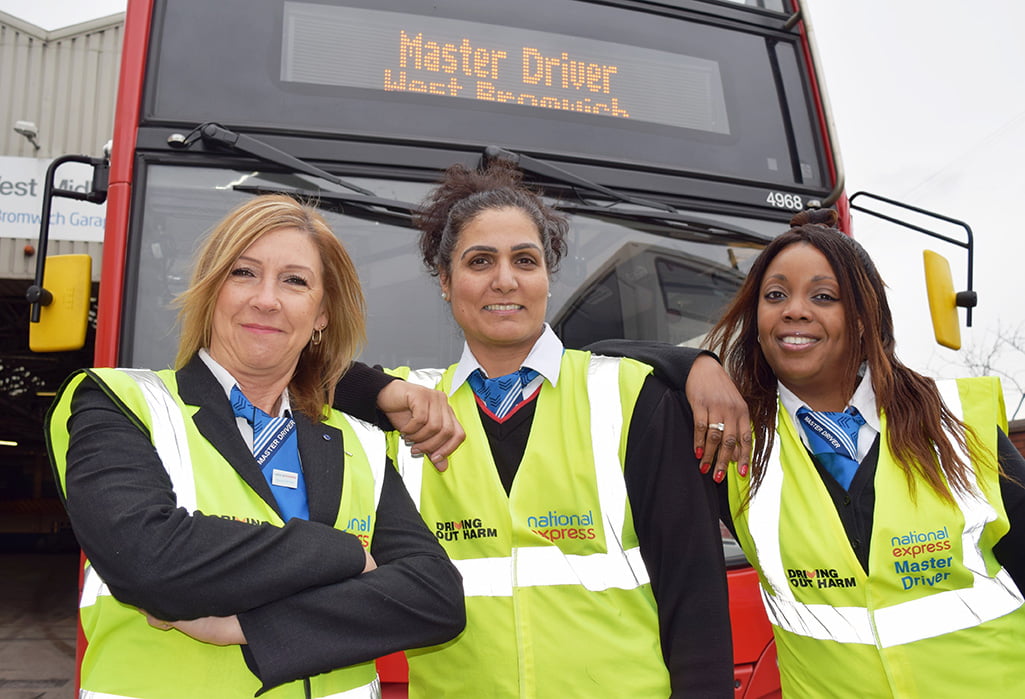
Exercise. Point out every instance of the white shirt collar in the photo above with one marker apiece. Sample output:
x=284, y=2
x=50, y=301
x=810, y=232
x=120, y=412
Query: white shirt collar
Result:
x=864, y=399
x=545, y=358
x=228, y=382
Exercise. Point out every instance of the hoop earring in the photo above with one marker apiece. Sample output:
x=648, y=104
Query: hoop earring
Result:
x=318, y=336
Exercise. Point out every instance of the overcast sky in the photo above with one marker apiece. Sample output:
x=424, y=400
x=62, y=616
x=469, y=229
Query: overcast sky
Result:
x=929, y=108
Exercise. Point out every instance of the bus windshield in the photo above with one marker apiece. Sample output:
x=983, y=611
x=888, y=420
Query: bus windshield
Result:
x=621, y=278
x=677, y=136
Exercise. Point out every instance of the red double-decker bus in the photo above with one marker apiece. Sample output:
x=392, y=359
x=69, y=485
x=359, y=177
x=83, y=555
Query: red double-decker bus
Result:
x=679, y=136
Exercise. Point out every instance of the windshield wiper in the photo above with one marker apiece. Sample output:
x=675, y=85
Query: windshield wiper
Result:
x=371, y=208
x=672, y=224
x=216, y=135
x=665, y=220
x=539, y=167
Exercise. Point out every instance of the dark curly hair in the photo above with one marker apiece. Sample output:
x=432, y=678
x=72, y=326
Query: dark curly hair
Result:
x=463, y=194
x=917, y=420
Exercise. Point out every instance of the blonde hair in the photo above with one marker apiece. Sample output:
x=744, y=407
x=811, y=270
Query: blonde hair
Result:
x=320, y=366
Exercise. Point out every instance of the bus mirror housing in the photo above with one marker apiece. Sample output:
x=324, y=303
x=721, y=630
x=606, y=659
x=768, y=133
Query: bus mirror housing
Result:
x=943, y=300
x=59, y=295
x=939, y=285
x=64, y=320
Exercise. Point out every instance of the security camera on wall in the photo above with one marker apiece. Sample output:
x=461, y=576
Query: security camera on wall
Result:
x=29, y=130
x=26, y=128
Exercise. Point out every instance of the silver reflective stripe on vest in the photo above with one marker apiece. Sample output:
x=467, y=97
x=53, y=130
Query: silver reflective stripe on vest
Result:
x=619, y=568
x=538, y=566
x=376, y=450
x=93, y=586
x=367, y=691
x=411, y=467
x=926, y=617
x=534, y=566
x=170, y=440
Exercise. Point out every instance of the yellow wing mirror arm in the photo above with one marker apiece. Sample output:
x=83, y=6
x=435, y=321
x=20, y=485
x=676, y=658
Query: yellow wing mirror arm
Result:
x=59, y=295
x=943, y=300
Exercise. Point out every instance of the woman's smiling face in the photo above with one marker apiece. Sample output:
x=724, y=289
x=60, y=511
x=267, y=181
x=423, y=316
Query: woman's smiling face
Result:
x=802, y=327
x=498, y=282
x=268, y=306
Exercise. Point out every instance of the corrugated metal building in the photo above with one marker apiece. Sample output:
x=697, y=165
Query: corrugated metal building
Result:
x=65, y=82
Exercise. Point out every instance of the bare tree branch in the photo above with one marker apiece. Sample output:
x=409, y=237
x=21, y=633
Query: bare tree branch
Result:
x=1000, y=354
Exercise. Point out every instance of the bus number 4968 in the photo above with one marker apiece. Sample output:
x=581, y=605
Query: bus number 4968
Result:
x=784, y=201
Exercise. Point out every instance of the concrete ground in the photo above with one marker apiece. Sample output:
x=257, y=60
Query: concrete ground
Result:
x=38, y=608
x=38, y=623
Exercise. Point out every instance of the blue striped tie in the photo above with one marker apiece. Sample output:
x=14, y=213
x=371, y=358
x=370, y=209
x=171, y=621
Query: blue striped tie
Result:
x=833, y=438
x=501, y=394
x=276, y=450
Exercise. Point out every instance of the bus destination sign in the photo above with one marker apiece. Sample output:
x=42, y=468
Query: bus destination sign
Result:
x=448, y=58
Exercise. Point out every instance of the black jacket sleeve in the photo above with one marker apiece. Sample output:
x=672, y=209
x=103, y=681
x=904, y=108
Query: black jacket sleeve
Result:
x=414, y=598
x=672, y=363
x=356, y=394
x=299, y=590
x=161, y=558
x=1010, y=550
x=675, y=511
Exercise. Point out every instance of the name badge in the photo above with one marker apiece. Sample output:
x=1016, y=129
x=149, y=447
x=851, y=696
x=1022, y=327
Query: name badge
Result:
x=286, y=479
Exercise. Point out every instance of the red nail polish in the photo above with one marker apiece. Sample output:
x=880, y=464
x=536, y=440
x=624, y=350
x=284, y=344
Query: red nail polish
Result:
x=719, y=475
x=699, y=452
x=742, y=470
x=705, y=467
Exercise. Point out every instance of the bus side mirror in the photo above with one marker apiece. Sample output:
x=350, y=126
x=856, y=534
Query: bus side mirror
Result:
x=64, y=320
x=944, y=301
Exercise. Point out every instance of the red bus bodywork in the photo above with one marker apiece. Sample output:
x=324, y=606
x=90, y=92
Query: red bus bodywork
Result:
x=755, y=668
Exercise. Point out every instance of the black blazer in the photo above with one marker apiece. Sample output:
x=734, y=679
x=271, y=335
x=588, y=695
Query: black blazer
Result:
x=298, y=590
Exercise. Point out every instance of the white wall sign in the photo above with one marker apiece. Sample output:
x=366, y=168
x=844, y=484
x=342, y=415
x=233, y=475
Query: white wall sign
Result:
x=21, y=201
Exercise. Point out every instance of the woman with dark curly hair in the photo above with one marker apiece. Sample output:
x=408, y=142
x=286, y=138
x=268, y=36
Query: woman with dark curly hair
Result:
x=588, y=542
x=884, y=511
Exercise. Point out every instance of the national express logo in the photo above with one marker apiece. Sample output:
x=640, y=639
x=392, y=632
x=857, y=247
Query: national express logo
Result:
x=916, y=562
x=462, y=529
x=555, y=526
x=361, y=527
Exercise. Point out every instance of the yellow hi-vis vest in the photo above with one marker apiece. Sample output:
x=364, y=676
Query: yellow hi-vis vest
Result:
x=128, y=659
x=558, y=600
x=934, y=616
